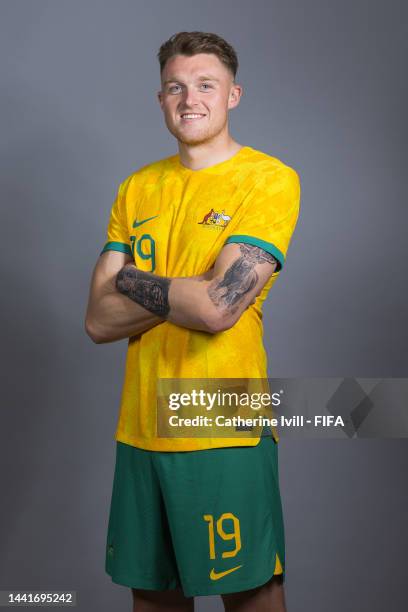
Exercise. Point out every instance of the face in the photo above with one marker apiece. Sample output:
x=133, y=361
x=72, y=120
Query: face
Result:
x=197, y=93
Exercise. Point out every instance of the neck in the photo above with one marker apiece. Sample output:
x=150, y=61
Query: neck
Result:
x=207, y=154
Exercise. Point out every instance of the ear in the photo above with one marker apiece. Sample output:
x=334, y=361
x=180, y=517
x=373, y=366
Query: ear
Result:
x=160, y=98
x=235, y=96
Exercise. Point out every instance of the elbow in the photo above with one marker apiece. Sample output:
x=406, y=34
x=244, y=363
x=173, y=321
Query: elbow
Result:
x=92, y=331
x=217, y=321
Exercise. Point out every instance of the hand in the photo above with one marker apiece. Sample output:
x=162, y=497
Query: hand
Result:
x=206, y=275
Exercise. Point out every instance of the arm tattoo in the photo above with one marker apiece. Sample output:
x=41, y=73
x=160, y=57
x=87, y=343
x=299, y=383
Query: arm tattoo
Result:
x=148, y=290
x=240, y=277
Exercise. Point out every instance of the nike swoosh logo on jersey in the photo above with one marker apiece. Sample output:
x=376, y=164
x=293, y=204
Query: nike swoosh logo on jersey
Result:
x=137, y=223
x=217, y=575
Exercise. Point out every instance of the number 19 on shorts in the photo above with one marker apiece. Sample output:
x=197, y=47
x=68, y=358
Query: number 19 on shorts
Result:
x=223, y=528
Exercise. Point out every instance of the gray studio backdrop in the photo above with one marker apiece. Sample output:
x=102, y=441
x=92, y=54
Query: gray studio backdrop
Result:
x=325, y=91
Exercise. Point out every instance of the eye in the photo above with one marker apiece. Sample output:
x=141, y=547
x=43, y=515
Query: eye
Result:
x=172, y=88
x=207, y=85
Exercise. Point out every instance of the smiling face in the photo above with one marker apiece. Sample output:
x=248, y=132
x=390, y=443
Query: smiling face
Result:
x=196, y=95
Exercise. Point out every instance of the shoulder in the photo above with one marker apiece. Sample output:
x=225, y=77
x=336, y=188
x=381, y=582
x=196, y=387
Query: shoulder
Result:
x=271, y=173
x=149, y=173
x=262, y=162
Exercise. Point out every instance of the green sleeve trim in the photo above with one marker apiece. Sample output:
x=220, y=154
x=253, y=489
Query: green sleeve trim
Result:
x=117, y=246
x=266, y=246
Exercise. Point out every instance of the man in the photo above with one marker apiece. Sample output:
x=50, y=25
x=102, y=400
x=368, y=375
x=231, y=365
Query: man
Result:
x=194, y=243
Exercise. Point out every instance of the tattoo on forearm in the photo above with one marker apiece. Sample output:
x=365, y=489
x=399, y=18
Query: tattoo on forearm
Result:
x=239, y=279
x=148, y=290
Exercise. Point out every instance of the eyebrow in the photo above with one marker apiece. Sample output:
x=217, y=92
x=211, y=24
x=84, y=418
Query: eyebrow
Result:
x=200, y=78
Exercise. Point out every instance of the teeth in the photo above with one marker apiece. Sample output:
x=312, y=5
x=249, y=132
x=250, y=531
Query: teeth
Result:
x=191, y=116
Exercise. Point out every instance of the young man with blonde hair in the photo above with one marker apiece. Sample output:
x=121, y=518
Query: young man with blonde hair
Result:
x=194, y=243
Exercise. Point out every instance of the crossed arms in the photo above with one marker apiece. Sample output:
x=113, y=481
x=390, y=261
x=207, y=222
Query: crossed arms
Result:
x=125, y=301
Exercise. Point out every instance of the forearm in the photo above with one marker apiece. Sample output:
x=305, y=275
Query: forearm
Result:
x=114, y=317
x=183, y=301
x=211, y=302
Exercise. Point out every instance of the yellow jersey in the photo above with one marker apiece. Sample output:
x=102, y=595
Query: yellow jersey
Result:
x=174, y=221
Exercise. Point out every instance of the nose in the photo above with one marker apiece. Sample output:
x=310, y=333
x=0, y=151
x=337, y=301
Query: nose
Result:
x=190, y=98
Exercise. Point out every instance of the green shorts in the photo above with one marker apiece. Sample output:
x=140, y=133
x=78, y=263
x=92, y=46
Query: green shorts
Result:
x=209, y=521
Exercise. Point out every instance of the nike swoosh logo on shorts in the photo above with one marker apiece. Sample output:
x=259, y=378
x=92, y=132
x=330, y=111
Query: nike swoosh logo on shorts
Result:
x=137, y=223
x=217, y=575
